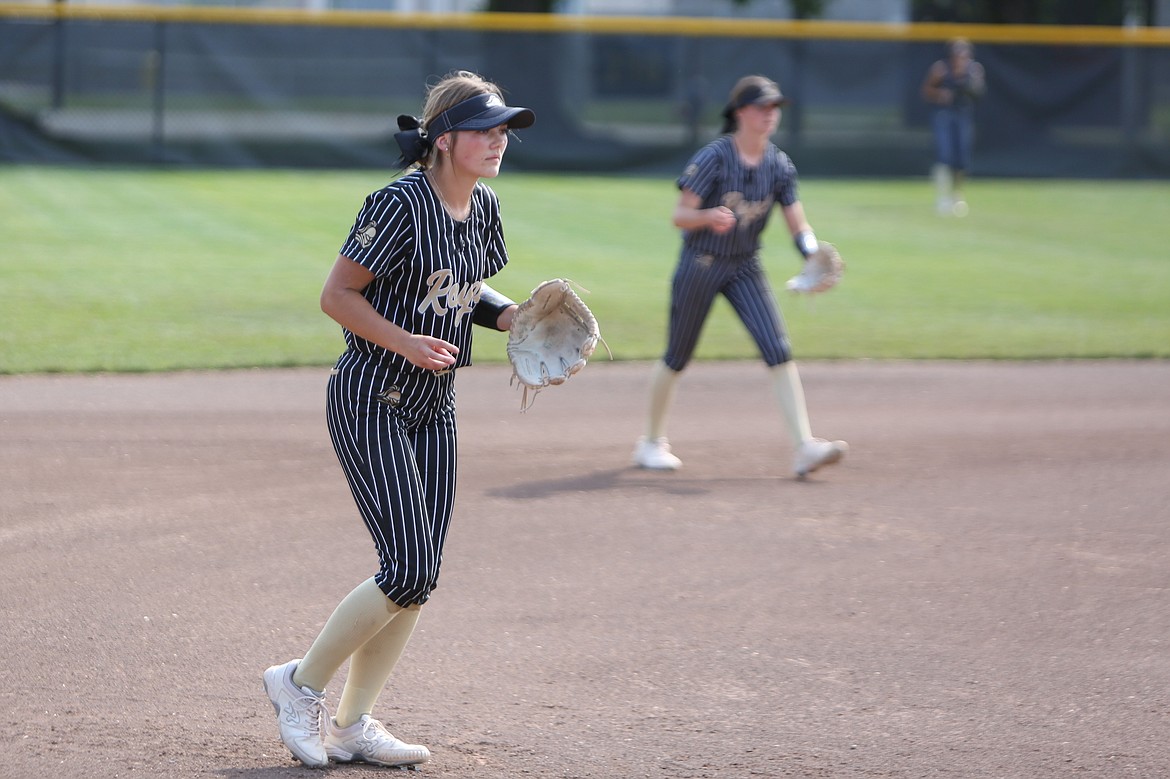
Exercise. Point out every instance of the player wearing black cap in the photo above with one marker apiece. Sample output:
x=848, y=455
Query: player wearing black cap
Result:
x=727, y=193
x=406, y=288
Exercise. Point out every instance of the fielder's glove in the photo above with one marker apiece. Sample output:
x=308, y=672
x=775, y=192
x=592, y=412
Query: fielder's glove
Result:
x=823, y=269
x=553, y=335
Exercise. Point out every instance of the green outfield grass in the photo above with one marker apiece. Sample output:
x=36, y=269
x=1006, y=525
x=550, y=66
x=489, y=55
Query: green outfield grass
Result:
x=142, y=270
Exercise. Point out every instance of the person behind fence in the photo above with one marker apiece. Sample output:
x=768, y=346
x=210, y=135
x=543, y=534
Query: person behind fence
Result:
x=727, y=193
x=953, y=85
x=406, y=288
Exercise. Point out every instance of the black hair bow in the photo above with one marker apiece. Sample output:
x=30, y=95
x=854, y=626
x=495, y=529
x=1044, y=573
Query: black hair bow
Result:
x=412, y=139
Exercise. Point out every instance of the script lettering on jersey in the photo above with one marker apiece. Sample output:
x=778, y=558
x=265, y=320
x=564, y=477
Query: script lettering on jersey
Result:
x=747, y=212
x=445, y=294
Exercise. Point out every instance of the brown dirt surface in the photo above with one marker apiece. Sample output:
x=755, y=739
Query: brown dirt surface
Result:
x=978, y=590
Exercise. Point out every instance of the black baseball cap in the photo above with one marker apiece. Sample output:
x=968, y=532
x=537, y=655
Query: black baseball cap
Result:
x=754, y=90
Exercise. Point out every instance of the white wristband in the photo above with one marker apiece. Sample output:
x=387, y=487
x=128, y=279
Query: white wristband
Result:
x=806, y=242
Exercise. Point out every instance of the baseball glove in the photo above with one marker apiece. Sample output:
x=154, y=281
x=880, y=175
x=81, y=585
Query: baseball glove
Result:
x=553, y=335
x=822, y=271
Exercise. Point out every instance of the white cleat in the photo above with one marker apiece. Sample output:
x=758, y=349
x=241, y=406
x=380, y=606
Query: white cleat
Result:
x=300, y=713
x=816, y=453
x=655, y=455
x=368, y=741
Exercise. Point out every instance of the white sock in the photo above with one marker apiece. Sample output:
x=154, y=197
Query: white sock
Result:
x=943, y=184
x=662, y=385
x=371, y=665
x=360, y=616
x=790, y=394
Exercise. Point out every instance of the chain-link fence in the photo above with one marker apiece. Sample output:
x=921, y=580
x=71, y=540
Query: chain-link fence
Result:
x=229, y=87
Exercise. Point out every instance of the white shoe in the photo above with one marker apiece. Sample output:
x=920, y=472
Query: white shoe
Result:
x=300, y=713
x=817, y=452
x=655, y=454
x=368, y=741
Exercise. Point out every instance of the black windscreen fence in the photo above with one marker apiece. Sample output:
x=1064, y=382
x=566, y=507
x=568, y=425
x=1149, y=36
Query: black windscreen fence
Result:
x=191, y=92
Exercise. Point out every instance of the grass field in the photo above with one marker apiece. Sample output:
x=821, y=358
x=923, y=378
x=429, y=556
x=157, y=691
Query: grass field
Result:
x=145, y=270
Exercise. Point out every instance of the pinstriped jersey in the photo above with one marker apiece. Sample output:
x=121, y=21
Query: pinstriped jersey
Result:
x=428, y=268
x=960, y=86
x=718, y=176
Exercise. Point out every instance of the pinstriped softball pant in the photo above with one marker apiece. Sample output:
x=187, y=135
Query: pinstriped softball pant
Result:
x=395, y=435
x=697, y=280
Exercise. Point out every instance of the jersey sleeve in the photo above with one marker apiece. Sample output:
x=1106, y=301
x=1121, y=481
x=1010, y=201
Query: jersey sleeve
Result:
x=380, y=238
x=701, y=175
x=495, y=249
x=786, y=180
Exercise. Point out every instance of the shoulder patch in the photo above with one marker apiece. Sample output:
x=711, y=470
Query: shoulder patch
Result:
x=366, y=235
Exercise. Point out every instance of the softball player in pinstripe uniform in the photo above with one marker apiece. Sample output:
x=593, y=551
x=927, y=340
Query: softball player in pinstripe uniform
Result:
x=406, y=288
x=727, y=192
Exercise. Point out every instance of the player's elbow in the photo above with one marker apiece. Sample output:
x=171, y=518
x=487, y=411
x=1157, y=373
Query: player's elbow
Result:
x=331, y=300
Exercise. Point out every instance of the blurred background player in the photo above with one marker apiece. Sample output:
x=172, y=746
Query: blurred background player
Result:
x=727, y=193
x=952, y=85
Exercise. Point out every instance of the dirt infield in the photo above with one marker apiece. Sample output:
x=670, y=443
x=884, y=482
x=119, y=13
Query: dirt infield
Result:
x=979, y=590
